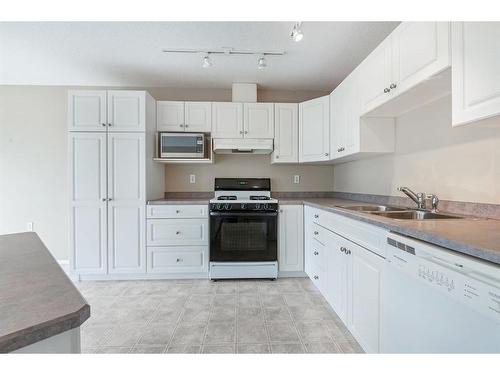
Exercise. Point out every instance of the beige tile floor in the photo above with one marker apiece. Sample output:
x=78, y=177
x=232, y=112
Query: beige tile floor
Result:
x=200, y=316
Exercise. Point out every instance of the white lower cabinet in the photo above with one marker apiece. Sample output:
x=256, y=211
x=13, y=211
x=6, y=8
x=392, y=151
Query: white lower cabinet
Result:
x=290, y=240
x=177, y=240
x=347, y=274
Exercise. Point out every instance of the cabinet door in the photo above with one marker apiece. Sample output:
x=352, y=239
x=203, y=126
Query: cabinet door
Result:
x=227, y=120
x=87, y=110
x=421, y=50
x=364, y=322
x=170, y=116
x=126, y=110
x=126, y=205
x=198, y=117
x=258, y=120
x=291, y=229
x=338, y=118
x=338, y=275
x=475, y=71
x=376, y=77
x=87, y=180
x=314, y=129
x=286, y=133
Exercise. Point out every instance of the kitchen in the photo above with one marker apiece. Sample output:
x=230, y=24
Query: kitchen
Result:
x=255, y=218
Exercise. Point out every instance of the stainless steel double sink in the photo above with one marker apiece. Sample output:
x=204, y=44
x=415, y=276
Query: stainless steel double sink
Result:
x=400, y=213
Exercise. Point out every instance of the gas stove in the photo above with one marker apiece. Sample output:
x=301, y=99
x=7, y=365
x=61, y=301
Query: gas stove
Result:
x=243, y=229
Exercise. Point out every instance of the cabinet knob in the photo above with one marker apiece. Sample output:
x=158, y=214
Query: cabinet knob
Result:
x=104, y=199
x=392, y=86
x=178, y=260
x=110, y=199
x=316, y=232
x=348, y=252
x=343, y=249
x=316, y=277
x=316, y=253
x=178, y=232
x=281, y=211
x=316, y=216
x=103, y=124
x=177, y=211
x=386, y=90
x=326, y=153
x=241, y=131
x=246, y=132
x=110, y=124
x=277, y=156
x=186, y=125
x=181, y=125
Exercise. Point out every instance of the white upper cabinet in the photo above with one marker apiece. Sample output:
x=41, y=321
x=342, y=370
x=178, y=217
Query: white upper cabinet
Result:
x=291, y=238
x=198, y=117
x=227, y=120
x=170, y=116
x=475, y=71
x=412, y=53
x=376, y=77
x=126, y=111
x=314, y=130
x=87, y=110
x=286, y=133
x=420, y=50
x=258, y=120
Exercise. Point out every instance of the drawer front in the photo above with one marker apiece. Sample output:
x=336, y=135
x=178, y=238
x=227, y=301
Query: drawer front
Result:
x=177, y=259
x=317, y=276
x=317, y=233
x=181, y=232
x=168, y=211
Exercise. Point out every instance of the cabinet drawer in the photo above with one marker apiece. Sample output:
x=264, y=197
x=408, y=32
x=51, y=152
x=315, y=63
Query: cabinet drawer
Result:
x=182, y=232
x=168, y=211
x=317, y=233
x=317, y=276
x=177, y=259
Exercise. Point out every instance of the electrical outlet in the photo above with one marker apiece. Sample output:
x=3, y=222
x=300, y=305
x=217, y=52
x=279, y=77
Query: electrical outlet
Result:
x=296, y=179
x=192, y=178
x=29, y=226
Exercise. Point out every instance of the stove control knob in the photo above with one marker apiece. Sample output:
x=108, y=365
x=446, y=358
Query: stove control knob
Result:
x=227, y=206
x=243, y=206
x=265, y=206
x=257, y=206
x=219, y=206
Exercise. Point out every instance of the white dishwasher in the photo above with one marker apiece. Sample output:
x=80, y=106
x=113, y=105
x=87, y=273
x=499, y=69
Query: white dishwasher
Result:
x=437, y=301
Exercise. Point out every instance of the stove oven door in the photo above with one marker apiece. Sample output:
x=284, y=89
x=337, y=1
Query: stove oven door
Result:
x=243, y=236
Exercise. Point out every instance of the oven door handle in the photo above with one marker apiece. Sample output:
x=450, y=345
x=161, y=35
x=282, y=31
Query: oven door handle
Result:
x=253, y=214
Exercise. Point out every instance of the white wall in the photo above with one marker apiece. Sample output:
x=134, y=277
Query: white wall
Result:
x=461, y=163
x=33, y=155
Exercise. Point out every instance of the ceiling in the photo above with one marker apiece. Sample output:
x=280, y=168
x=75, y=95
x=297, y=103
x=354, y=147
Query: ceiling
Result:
x=129, y=53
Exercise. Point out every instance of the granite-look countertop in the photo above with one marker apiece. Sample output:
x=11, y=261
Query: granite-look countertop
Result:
x=37, y=299
x=476, y=237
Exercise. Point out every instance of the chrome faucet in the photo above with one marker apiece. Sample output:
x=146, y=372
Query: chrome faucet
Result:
x=418, y=198
x=434, y=201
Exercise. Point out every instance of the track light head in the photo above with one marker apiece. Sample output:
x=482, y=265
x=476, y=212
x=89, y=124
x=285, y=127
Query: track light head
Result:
x=296, y=34
x=262, y=63
x=207, y=63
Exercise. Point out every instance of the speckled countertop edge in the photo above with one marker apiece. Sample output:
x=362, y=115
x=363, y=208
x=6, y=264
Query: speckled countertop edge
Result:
x=65, y=308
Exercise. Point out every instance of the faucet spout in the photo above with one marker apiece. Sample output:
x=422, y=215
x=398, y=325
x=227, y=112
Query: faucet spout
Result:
x=418, y=198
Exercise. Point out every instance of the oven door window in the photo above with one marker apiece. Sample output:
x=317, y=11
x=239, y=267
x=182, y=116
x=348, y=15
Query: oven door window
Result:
x=239, y=238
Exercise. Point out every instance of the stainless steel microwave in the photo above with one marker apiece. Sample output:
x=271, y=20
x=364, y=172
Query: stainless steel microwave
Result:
x=182, y=145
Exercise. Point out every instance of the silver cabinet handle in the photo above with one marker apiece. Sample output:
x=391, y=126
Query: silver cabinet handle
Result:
x=348, y=252
x=343, y=249
x=186, y=125
x=386, y=90
x=340, y=149
x=178, y=260
x=246, y=132
x=110, y=199
x=316, y=216
x=326, y=153
x=316, y=232
x=110, y=124
x=178, y=232
x=103, y=124
x=104, y=199
x=316, y=253
x=181, y=125
x=177, y=211
x=241, y=131
x=392, y=86
x=316, y=277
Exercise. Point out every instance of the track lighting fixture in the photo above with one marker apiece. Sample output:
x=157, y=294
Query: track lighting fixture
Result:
x=228, y=51
x=296, y=34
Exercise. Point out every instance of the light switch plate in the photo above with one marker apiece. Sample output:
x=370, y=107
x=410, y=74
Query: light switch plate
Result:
x=192, y=178
x=296, y=179
x=29, y=226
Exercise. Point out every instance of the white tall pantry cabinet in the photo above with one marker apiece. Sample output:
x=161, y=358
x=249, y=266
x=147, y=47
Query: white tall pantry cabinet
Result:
x=111, y=175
